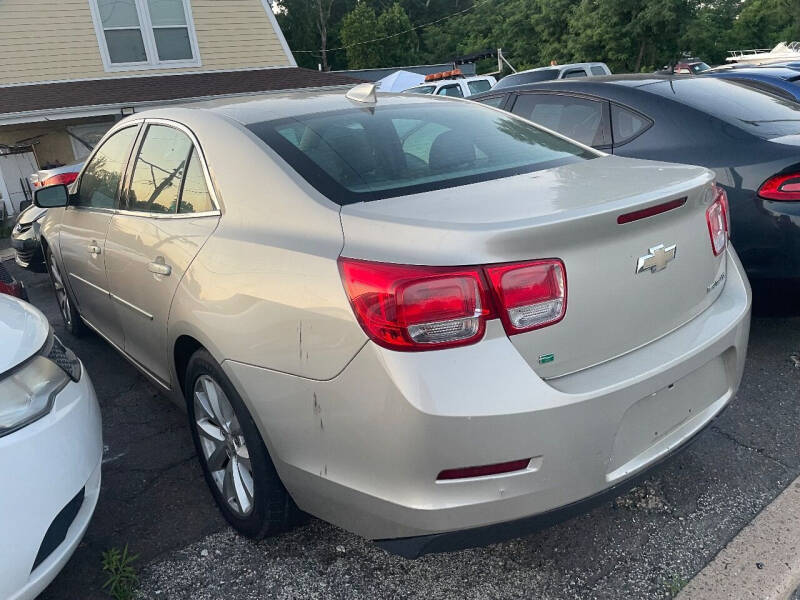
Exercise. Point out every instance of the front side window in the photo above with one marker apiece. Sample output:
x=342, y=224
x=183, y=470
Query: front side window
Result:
x=100, y=179
x=353, y=155
x=145, y=33
x=451, y=90
x=577, y=118
x=496, y=101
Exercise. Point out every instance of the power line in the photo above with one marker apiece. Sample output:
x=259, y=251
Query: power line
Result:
x=394, y=35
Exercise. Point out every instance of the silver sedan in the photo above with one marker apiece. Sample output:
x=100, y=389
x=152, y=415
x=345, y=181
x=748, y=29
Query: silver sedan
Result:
x=424, y=320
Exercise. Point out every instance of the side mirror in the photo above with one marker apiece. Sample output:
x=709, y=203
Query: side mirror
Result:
x=52, y=196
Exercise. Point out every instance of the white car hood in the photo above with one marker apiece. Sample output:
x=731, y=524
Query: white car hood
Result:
x=23, y=331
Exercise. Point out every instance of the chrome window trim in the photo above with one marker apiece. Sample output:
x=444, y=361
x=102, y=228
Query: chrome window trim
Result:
x=212, y=191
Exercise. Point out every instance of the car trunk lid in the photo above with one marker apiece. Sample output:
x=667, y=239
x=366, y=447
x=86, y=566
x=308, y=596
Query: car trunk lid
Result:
x=570, y=213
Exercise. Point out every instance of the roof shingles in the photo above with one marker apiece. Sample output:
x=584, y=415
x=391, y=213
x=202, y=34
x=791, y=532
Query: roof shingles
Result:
x=123, y=90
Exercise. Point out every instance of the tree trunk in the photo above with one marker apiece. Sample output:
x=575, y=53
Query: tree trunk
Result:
x=322, y=27
x=638, y=66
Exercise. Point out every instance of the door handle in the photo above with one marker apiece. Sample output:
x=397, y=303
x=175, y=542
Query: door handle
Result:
x=159, y=268
x=94, y=249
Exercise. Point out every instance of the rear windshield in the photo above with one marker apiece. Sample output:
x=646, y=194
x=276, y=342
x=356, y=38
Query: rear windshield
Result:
x=362, y=154
x=761, y=114
x=532, y=77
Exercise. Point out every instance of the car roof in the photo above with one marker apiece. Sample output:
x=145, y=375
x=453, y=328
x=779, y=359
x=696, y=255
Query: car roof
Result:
x=560, y=67
x=779, y=72
x=633, y=80
x=264, y=107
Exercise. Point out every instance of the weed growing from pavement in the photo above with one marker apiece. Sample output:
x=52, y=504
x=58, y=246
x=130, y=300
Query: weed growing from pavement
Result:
x=122, y=579
x=675, y=584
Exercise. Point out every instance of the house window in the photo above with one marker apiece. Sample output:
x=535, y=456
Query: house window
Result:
x=142, y=34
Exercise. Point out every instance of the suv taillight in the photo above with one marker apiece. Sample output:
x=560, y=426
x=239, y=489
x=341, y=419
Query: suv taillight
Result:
x=783, y=188
x=718, y=220
x=412, y=308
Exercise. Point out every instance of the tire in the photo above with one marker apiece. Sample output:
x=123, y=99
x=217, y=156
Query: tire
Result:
x=66, y=303
x=253, y=501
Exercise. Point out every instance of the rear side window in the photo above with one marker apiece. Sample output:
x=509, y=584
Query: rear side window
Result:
x=577, y=118
x=354, y=155
x=573, y=74
x=451, y=90
x=194, y=195
x=479, y=86
x=765, y=87
x=626, y=124
x=100, y=180
x=159, y=170
x=596, y=70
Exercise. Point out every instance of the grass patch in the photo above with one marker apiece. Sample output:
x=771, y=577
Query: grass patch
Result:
x=122, y=579
x=675, y=584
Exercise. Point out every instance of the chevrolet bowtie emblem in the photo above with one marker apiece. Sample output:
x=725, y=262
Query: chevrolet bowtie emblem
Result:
x=658, y=258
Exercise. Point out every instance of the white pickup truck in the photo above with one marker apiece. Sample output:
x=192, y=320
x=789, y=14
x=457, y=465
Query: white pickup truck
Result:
x=453, y=83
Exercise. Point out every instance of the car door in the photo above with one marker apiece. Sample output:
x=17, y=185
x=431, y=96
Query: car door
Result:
x=585, y=120
x=167, y=211
x=82, y=233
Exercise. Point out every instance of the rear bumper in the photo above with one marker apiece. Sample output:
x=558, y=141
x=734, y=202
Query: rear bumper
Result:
x=363, y=450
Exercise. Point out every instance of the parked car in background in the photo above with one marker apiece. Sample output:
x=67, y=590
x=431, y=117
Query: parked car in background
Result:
x=749, y=138
x=25, y=233
x=66, y=175
x=570, y=71
x=375, y=341
x=25, y=239
x=50, y=451
x=453, y=83
x=690, y=67
x=10, y=286
x=781, y=81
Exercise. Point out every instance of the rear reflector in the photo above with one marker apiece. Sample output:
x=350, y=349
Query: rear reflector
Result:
x=651, y=211
x=483, y=471
x=783, y=188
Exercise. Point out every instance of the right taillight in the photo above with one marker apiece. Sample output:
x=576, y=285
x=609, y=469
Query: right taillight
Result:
x=783, y=188
x=717, y=220
x=413, y=308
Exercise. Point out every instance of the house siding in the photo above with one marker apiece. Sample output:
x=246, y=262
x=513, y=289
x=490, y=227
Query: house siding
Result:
x=54, y=41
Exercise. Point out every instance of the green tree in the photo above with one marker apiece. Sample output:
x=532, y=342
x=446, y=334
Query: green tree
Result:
x=402, y=46
x=358, y=28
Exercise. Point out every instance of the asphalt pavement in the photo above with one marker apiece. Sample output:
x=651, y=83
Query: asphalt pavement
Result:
x=646, y=544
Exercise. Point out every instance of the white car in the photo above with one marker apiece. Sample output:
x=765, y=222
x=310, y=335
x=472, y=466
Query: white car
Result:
x=570, y=71
x=50, y=451
x=454, y=84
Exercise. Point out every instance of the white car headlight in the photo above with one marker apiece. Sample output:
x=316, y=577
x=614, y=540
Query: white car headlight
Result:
x=28, y=392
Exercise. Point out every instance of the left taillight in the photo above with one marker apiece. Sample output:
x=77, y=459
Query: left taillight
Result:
x=782, y=188
x=409, y=307
x=717, y=220
x=412, y=308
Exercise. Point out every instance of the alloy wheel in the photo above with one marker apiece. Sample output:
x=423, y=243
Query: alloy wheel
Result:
x=61, y=292
x=224, y=448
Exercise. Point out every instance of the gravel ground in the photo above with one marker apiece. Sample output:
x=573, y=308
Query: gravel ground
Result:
x=646, y=544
